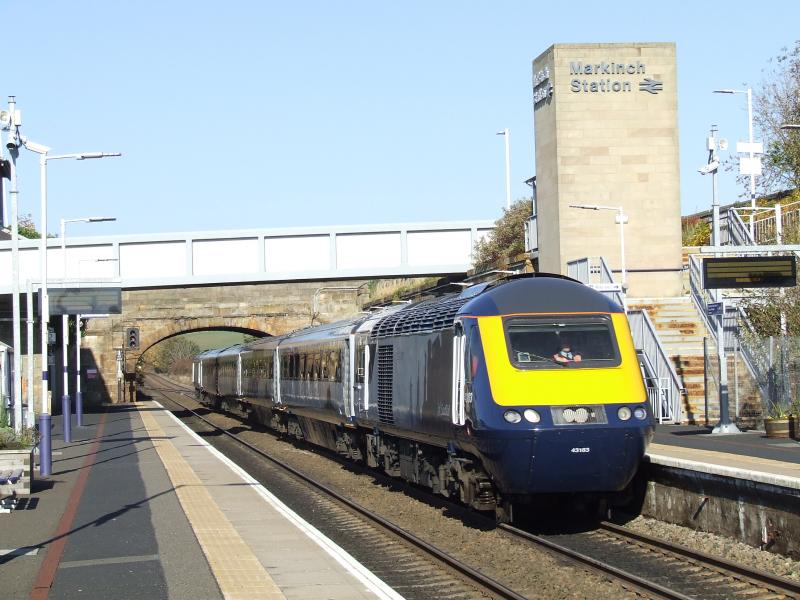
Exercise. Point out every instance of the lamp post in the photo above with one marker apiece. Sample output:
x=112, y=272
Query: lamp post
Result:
x=65, y=323
x=506, y=134
x=750, y=147
x=621, y=218
x=44, y=416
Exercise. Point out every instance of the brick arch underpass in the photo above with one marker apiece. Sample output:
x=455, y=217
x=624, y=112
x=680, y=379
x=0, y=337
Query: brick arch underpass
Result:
x=274, y=308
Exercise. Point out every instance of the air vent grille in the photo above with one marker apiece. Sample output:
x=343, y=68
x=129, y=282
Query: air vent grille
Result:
x=385, y=383
x=429, y=316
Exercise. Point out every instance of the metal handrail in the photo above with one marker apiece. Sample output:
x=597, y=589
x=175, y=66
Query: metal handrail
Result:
x=668, y=405
x=738, y=232
x=593, y=270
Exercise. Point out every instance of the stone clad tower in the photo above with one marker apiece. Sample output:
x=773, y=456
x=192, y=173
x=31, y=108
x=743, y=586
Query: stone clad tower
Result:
x=605, y=118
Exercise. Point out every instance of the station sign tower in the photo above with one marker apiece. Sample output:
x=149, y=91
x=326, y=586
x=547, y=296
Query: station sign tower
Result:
x=606, y=129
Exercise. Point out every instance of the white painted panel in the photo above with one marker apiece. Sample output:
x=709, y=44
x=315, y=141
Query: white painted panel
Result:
x=439, y=248
x=301, y=253
x=359, y=251
x=83, y=262
x=221, y=257
x=152, y=260
x=28, y=267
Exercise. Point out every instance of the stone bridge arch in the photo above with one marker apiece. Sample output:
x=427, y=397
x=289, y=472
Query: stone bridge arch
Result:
x=149, y=337
x=270, y=308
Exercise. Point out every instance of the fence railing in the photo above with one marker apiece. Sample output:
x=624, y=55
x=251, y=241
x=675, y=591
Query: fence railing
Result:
x=738, y=234
x=664, y=386
x=594, y=270
x=765, y=221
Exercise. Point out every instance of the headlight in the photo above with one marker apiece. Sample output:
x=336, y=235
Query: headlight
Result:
x=581, y=415
x=512, y=416
x=569, y=415
x=640, y=413
x=624, y=413
x=531, y=415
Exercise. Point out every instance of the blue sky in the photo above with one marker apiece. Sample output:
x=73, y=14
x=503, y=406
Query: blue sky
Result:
x=263, y=114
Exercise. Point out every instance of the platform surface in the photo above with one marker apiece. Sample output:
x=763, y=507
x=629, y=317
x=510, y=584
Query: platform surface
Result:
x=749, y=455
x=138, y=506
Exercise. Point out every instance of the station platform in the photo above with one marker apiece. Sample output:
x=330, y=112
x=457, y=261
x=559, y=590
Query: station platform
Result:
x=139, y=506
x=749, y=455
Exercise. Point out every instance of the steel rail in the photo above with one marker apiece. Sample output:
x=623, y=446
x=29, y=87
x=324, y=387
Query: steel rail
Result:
x=475, y=576
x=638, y=583
x=775, y=583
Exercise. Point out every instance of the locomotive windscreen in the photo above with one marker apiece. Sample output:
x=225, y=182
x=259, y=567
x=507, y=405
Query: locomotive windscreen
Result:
x=562, y=341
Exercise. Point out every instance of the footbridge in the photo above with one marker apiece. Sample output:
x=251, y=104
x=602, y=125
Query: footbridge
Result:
x=262, y=282
x=250, y=256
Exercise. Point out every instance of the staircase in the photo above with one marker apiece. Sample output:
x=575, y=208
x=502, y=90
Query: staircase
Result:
x=681, y=331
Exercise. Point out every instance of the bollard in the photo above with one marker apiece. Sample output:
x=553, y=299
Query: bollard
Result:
x=66, y=418
x=45, y=454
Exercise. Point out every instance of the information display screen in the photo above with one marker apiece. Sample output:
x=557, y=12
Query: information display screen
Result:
x=85, y=301
x=749, y=272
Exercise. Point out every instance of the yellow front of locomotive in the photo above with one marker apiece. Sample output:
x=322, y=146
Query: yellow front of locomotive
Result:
x=558, y=399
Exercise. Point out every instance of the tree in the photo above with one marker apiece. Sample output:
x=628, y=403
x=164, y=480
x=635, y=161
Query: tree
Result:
x=776, y=103
x=173, y=350
x=507, y=239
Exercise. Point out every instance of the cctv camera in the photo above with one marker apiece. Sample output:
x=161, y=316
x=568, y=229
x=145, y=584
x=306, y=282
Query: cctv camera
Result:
x=33, y=146
x=709, y=168
x=13, y=141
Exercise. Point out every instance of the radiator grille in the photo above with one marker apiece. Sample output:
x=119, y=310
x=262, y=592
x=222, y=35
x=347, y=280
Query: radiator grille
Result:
x=385, y=379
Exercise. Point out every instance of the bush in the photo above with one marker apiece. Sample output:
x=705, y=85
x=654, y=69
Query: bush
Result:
x=11, y=440
x=507, y=239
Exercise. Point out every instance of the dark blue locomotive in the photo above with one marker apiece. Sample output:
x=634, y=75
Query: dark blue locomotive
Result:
x=471, y=395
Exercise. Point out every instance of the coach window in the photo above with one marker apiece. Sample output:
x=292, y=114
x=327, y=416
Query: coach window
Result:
x=323, y=372
x=316, y=362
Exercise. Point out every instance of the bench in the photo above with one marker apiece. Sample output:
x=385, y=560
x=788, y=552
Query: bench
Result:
x=10, y=476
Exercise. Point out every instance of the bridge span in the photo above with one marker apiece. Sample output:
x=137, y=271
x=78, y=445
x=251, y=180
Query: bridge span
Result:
x=249, y=256
x=263, y=282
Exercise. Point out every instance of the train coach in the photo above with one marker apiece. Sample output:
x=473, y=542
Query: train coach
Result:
x=498, y=395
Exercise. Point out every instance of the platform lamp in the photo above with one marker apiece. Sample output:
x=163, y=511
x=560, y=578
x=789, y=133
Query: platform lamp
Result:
x=65, y=323
x=506, y=133
x=44, y=417
x=751, y=148
x=621, y=218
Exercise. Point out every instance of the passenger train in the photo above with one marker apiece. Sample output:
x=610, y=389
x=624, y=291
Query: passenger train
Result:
x=499, y=394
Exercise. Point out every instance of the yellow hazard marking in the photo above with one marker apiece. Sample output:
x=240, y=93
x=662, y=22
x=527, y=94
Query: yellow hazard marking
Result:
x=238, y=572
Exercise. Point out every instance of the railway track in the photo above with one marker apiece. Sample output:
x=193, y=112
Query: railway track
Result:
x=413, y=567
x=647, y=566
x=660, y=568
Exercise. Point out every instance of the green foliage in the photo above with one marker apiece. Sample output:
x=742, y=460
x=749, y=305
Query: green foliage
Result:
x=508, y=237
x=696, y=231
x=169, y=352
x=777, y=103
x=765, y=307
x=10, y=439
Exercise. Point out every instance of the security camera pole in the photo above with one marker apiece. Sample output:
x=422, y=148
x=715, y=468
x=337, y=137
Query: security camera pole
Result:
x=725, y=425
x=13, y=150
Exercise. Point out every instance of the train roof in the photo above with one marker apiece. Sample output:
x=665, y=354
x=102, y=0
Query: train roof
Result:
x=539, y=295
x=521, y=294
x=529, y=293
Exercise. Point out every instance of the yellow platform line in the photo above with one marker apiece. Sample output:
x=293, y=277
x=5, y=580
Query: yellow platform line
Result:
x=238, y=572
